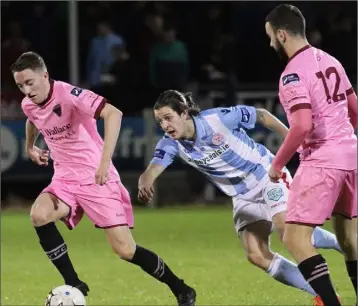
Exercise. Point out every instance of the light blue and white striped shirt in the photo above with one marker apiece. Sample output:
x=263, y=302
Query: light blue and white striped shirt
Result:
x=222, y=149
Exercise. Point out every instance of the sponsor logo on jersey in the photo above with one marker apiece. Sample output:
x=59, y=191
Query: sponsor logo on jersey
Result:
x=210, y=157
x=57, y=130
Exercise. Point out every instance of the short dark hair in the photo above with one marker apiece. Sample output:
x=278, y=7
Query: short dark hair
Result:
x=179, y=102
x=28, y=60
x=287, y=17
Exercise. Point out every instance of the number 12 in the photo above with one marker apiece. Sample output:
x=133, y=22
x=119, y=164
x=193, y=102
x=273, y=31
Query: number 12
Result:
x=336, y=96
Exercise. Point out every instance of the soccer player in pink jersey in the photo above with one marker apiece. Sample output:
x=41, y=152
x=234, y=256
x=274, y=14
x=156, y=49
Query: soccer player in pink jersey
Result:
x=85, y=180
x=321, y=107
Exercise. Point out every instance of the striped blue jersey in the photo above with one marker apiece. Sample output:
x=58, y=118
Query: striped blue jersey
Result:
x=222, y=150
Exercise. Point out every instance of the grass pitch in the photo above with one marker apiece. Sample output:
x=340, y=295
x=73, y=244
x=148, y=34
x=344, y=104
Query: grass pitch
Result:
x=199, y=244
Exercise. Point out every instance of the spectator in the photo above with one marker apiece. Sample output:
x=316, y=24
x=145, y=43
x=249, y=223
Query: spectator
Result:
x=100, y=56
x=122, y=80
x=169, y=63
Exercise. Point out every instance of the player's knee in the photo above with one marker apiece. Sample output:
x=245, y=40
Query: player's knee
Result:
x=39, y=217
x=348, y=244
x=124, y=250
x=257, y=259
x=287, y=240
x=280, y=231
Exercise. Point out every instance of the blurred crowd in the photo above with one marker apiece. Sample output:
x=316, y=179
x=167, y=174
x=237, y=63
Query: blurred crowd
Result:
x=131, y=51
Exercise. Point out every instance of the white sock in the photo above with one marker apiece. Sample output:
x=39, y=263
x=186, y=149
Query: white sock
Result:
x=286, y=272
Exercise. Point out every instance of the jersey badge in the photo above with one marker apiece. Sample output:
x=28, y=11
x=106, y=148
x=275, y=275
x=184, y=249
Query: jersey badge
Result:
x=57, y=110
x=217, y=139
x=76, y=91
x=290, y=78
x=275, y=194
x=158, y=153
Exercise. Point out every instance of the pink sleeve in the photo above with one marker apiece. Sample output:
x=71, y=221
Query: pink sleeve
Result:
x=351, y=96
x=87, y=101
x=301, y=124
x=294, y=90
x=346, y=83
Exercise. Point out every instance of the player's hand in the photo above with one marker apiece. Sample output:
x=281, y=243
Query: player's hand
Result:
x=38, y=156
x=145, y=193
x=102, y=173
x=274, y=175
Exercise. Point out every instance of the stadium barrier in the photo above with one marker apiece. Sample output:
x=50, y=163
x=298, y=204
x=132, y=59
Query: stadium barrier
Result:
x=135, y=145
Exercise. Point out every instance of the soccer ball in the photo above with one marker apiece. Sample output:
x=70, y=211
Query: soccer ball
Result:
x=65, y=296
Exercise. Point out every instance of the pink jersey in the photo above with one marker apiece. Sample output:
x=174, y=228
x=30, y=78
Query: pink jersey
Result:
x=67, y=121
x=316, y=78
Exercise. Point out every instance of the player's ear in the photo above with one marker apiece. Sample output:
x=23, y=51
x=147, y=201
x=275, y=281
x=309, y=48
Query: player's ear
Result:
x=185, y=114
x=46, y=75
x=280, y=35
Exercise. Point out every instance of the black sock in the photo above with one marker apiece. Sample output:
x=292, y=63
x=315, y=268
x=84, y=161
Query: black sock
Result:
x=56, y=249
x=352, y=272
x=315, y=271
x=156, y=267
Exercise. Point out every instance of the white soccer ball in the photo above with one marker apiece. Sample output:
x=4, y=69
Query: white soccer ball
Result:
x=65, y=296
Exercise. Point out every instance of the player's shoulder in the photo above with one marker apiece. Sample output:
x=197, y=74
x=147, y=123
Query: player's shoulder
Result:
x=294, y=74
x=300, y=64
x=68, y=89
x=306, y=61
x=167, y=140
x=332, y=61
x=209, y=111
x=218, y=111
x=26, y=104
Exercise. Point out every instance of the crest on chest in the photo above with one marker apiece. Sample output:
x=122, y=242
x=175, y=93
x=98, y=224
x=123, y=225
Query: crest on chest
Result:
x=57, y=109
x=51, y=115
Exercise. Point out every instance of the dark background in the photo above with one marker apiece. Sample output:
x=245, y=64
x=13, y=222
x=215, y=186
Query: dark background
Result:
x=131, y=51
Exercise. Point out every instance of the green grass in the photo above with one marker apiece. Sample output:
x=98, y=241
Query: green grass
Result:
x=199, y=244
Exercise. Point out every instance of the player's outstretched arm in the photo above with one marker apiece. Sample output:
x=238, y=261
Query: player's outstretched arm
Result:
x=301, y=124
x=31, y=134
x=38, y=156
x=112, y=123
x=266, y=119
x=146, y=181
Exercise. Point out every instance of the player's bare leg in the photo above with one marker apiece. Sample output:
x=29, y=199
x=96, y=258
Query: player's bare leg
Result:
x=346, y=231
x=255, y=238
x=123, y=244
x=46, y=210
x=301, y=248
x=298, y=240
x=321, y=238
x=278, y=221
